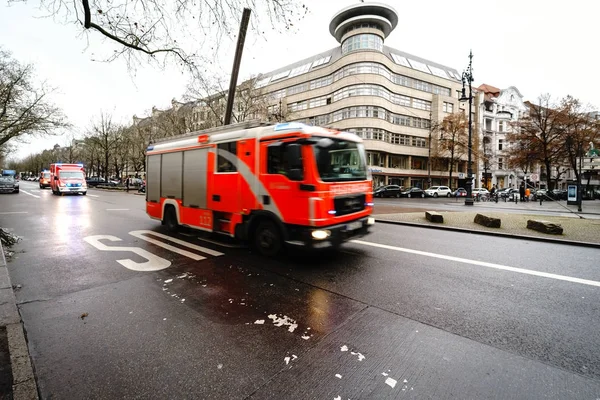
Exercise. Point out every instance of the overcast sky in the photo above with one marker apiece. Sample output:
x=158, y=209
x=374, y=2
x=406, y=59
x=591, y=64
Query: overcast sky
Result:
x=537, y=46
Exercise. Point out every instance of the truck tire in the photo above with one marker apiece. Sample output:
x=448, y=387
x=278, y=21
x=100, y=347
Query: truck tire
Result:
x=170, y=219
x=267, y=239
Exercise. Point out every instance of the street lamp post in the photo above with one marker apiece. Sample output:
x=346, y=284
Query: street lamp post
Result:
x=467, y=77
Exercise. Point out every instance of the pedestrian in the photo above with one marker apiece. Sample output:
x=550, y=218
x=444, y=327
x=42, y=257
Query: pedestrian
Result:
x=127, y=184
x=522, y=191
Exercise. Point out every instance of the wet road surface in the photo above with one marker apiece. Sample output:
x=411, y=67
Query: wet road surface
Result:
x=115, y=307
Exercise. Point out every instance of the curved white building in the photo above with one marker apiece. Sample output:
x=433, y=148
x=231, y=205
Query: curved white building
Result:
x=386, y=96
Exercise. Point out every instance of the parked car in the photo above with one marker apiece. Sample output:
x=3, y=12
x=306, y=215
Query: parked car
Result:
x=8, y=184
x=477, y=192
x=460, y=192
x=558, y=194
x=507, y=193
x=437, y=191
x=413, y=192
x=94, y=181
x=388, y=191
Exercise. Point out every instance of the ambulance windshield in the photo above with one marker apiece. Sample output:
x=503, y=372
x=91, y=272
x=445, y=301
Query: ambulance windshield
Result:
x=340, y=160
x=70, y=175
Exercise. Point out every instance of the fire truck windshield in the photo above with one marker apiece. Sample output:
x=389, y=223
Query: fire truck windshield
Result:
x=70, y=175
x=340, y=160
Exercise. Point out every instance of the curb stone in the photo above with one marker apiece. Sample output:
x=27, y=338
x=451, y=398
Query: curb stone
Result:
x=24, y=385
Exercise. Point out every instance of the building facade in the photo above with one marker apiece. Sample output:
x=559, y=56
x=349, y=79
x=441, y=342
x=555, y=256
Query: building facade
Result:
x=499, y=110
x=391, y=99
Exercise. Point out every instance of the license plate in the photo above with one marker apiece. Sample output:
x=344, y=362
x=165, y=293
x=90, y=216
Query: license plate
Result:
x=354, y=225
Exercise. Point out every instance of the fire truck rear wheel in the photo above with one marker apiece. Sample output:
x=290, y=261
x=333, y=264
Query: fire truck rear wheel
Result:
x=170, y=219
x=267, y=239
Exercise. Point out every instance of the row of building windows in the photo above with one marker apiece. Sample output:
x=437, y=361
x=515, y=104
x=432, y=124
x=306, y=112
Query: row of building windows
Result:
x=362, y=41
x=377, y=159
x=367, y=68
x=368, y=112
x=389, y=137
x=363, y=25
x=361, y=90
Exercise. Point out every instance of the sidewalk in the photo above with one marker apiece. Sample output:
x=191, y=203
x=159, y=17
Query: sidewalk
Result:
x=16, y=378
x=578, y=228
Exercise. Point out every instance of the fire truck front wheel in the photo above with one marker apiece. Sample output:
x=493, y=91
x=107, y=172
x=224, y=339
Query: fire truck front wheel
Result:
x=267, y=238
x=170, y=219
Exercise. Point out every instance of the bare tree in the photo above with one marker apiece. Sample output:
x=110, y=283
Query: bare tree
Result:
x=538, y=137
x=24, y=106
x=453, y=141
x=179, y=31
x=104, y=134
x=580, y=128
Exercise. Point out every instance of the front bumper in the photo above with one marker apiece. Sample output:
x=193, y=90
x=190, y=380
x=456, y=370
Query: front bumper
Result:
x=82, y=190
x=9, y=190
x=302, y=236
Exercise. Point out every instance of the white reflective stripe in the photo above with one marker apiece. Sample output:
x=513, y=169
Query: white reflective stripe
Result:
x=252, y=180
x=311, y=210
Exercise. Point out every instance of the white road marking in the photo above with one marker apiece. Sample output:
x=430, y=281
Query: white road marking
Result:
x=140, y=235
x=482, y=263
x=93, y=195
x=23, y=191
x=117, y=209
x=13, y=212
x=154, y=263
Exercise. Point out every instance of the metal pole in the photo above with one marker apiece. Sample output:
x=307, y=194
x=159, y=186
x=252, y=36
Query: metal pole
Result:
x=236, y=65
x=429, y=156
x=469, y=184
x=579, y=191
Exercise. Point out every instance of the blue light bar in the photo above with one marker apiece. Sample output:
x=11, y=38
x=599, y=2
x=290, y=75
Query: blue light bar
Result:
x=288, y=125
x=150, y=148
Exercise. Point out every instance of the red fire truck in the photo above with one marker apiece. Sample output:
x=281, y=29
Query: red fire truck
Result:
x=67, y=178
x=272, y=185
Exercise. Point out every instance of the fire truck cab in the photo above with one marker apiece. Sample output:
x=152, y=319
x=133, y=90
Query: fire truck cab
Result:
x=272, y=185
x=67, y=178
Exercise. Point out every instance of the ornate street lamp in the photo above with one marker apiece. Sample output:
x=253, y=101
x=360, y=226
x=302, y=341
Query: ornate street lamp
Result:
x=467, y=77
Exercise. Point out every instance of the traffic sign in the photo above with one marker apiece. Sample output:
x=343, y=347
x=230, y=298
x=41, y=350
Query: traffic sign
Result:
x=534, y=177
x=461, y=175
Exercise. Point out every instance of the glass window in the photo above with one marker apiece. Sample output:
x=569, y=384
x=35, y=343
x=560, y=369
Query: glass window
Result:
x=340, y=160
x=363, y=41
x=500, y=163
x=70, y=174
x=278, y=160
x=223, y=163
x=500, y=144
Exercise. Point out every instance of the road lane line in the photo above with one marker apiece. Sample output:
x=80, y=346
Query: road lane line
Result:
x=93, y=195
x=482, y=263
x=139, y=234
x=13, y=212
x=117, y=209
x=23, y=191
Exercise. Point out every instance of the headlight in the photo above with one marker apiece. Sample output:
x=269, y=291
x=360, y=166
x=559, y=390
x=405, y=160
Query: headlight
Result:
x=320, y=234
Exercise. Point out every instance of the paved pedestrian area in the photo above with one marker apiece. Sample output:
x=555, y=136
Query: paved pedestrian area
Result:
x=577, y=227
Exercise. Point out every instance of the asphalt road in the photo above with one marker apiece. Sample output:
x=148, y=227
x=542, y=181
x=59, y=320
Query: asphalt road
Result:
x=111, y=311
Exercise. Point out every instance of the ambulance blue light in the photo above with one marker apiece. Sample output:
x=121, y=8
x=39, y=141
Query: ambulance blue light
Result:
x=150, y=148
x=288, y=125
